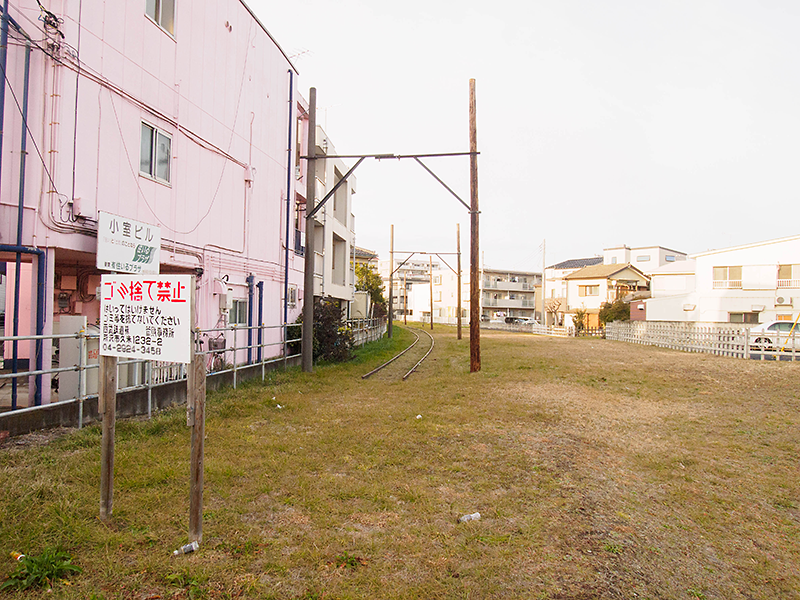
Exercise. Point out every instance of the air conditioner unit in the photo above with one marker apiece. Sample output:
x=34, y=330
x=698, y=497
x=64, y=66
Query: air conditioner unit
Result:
x=783, y=301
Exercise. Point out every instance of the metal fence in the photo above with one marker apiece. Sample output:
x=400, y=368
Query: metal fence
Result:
x=366, y=330
x=229, y=351
x=74, y=372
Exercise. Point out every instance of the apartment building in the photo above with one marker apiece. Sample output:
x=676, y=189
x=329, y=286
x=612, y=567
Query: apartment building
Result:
x=509, y=293
x=334, y=225
x=407, y=272
x=171, y=118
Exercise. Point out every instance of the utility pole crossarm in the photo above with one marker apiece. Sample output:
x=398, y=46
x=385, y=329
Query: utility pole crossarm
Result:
x=436, y=177
x=339, y=184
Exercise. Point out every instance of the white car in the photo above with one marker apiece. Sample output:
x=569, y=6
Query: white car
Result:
x=774, y=335
x=529, y=322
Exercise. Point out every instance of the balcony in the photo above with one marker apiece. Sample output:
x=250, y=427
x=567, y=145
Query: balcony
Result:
x=511, y=286
x=789, y=283
x=728, y=284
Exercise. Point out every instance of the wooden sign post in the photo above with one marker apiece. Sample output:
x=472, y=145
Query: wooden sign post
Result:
x=196, y=419
x=150, y=317
x=107, y=407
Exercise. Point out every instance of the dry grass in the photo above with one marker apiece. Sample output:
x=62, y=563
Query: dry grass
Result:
x=601, y=470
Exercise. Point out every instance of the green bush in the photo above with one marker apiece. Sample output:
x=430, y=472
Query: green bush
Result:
x=618, y=311
x=333, y=340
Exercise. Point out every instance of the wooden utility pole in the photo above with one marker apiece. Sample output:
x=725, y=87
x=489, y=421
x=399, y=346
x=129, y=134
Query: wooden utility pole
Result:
x=107, y=407
x=458, y=278
x=544, y=295
x=391, y=282
x=405, y=300
x=308, y=279
x=430, y=270
x=474, y=283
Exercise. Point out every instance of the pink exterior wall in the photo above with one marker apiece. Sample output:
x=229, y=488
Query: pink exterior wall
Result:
x=219, y=87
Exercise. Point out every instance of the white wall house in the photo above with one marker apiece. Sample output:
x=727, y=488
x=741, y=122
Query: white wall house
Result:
x=555, y=287
x=589, y=288
x=645, y=258
x=333, y=228
x=753, y=283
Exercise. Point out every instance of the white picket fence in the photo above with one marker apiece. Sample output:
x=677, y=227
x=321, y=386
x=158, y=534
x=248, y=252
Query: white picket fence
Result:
x=537, y=329
x=723, y=339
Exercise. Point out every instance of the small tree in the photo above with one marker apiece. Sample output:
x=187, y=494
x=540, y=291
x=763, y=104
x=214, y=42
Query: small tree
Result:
x=368, y=280
x=333, y=340
x=579, y=319
x=616, y=311
x=551, y=306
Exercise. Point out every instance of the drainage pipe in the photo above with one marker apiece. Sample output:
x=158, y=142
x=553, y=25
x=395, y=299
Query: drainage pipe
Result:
x=250, y=281
x=3, y=65
x=41, y=284
x=260, y=286
x=289, y=204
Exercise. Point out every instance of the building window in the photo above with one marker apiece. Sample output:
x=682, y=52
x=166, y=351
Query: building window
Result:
x=162, y=12
x=788, y=276
x=238, y=314
x=643, y=258
x=155, y=153
x=727, y=277
x=743, y=317
x=613, y=260
x=669, y=258
x=588, y=290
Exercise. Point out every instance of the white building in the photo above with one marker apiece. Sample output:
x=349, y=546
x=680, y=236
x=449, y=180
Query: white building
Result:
x=509, y=293
x=408, y=271
x=645, y=258
x=754, y=283
x=334, y=228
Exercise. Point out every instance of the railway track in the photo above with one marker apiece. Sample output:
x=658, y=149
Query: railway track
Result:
x=397, y=356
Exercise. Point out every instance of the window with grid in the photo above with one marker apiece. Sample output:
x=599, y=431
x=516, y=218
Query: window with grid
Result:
x=155, y=154
x=788, y=276
x=727, y=277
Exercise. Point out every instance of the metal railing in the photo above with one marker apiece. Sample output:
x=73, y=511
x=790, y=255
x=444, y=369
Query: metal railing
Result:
x=228, y=350
x=266, y=346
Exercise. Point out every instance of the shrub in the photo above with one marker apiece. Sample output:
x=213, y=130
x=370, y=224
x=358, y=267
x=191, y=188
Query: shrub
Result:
x=579, y=319
x=333, y=340
x=618, y=311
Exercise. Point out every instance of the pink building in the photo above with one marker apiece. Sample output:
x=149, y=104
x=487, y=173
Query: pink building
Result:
x=179, y=115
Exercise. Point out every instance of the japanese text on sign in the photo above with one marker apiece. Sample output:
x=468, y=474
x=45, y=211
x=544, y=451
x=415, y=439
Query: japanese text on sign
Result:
x=127, y=245
x=146, y=317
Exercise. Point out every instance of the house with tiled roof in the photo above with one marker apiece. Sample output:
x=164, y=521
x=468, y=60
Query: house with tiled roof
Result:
x=555, y=288
x=589, y=288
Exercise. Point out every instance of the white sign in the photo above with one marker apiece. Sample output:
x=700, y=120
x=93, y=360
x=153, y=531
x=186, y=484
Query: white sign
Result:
x=127, y=246
x=146, y=317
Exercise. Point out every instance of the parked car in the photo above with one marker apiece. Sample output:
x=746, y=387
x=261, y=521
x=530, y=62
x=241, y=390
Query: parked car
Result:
x=529, y=322
x=774, y=335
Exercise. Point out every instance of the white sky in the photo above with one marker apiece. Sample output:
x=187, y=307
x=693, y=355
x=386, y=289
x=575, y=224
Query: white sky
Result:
x=600, y=123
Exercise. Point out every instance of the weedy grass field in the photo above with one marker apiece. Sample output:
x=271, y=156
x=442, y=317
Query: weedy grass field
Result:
x=600, y=470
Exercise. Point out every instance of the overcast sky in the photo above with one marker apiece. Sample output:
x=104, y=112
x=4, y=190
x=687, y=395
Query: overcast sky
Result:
x=600, y=123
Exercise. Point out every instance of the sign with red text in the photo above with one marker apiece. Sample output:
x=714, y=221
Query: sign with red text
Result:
x=127, y=246
x=146, y=317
